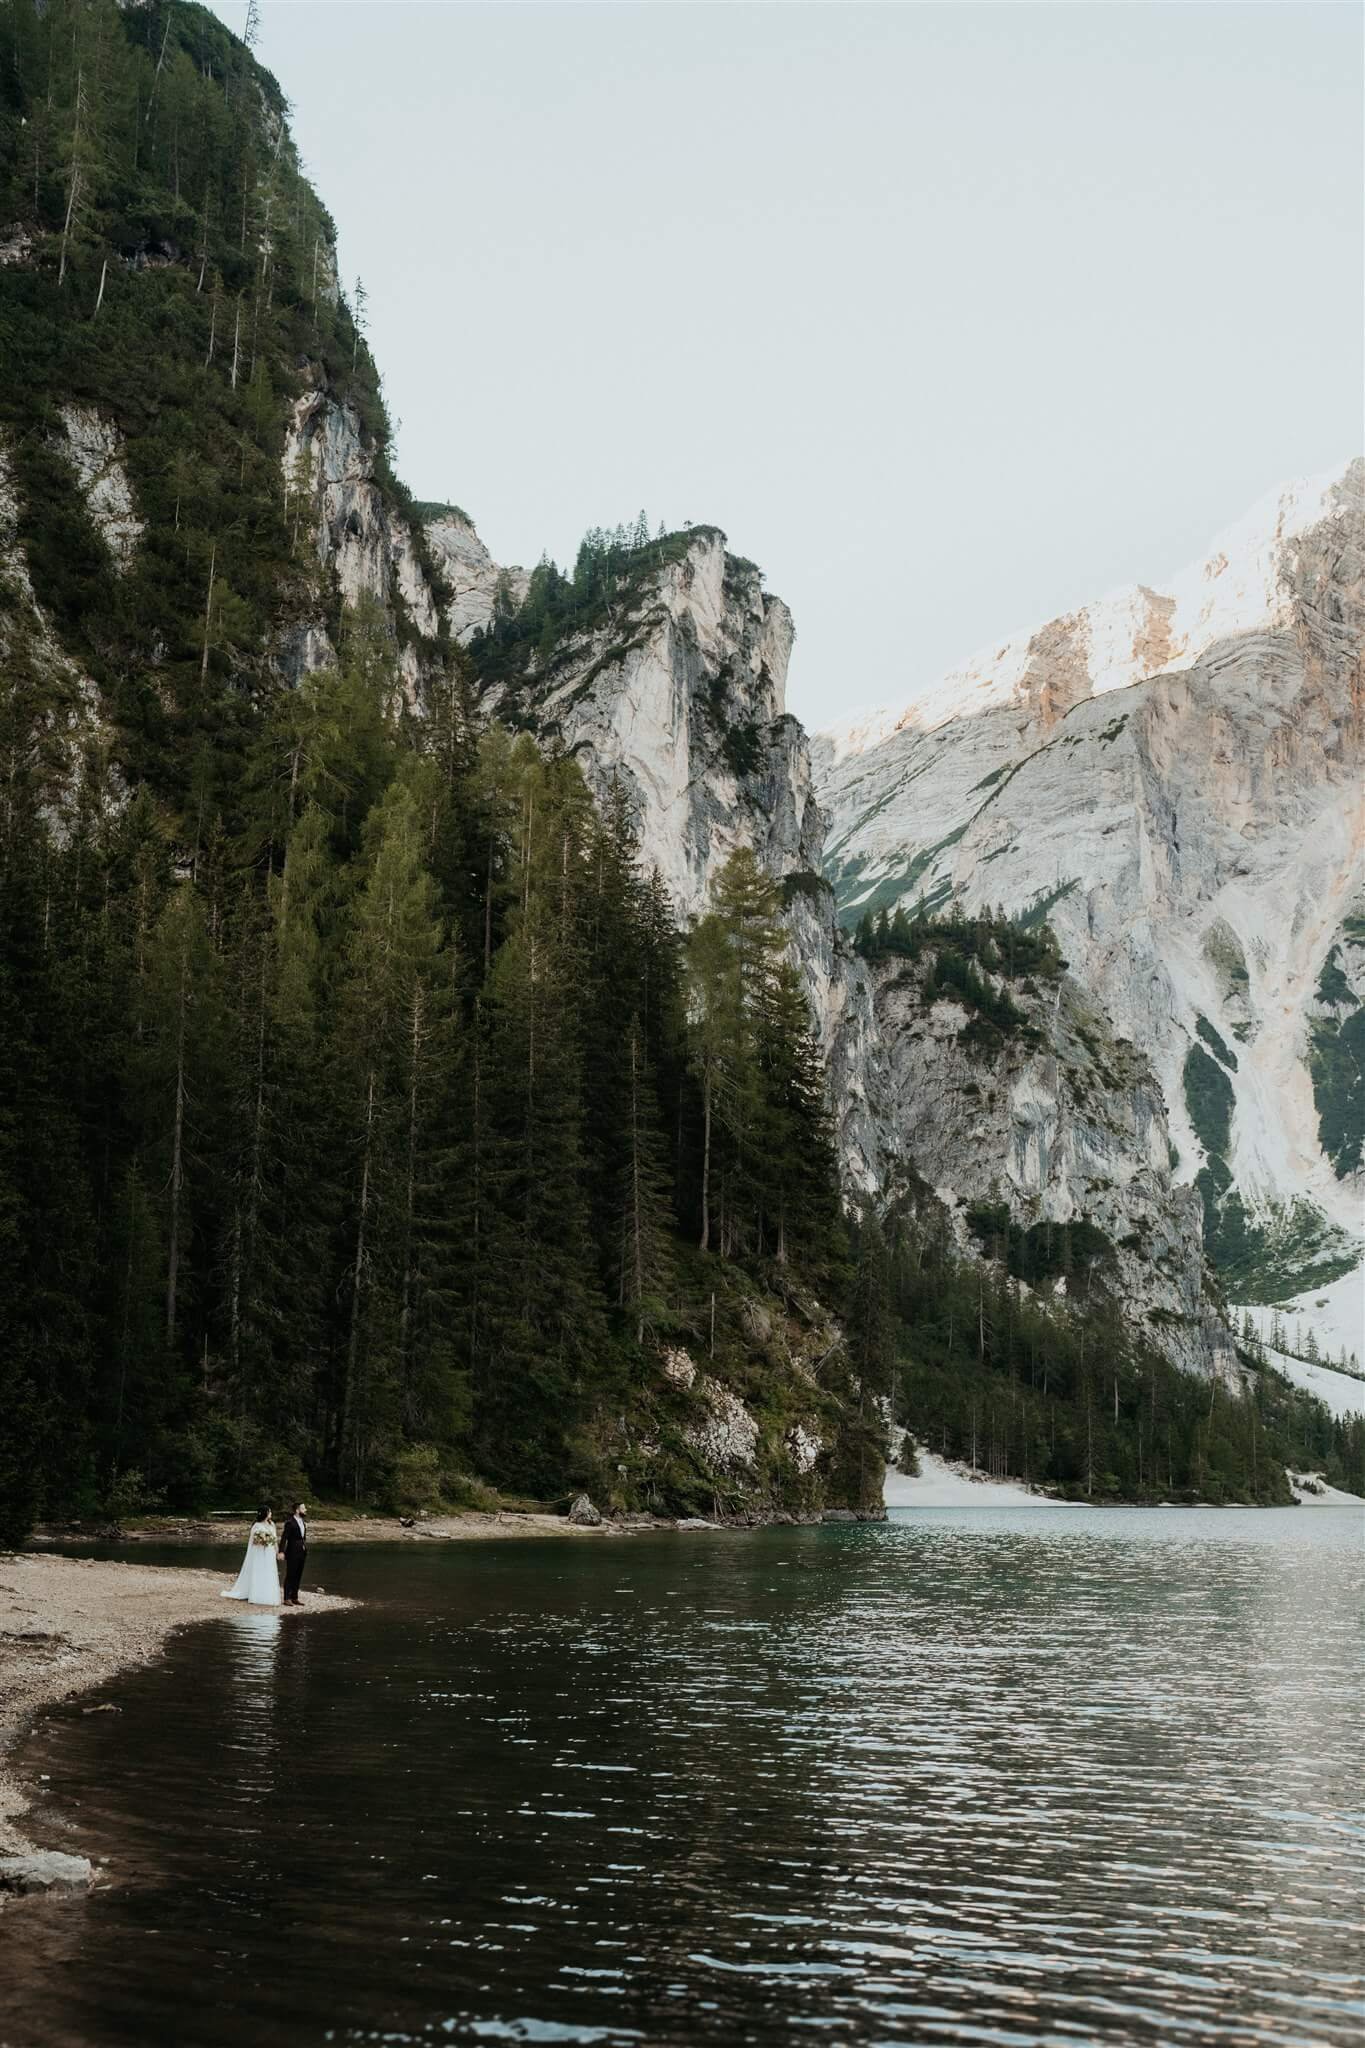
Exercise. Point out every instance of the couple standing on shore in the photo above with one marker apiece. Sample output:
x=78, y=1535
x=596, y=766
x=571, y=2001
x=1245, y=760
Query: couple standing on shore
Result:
x=258, y=1581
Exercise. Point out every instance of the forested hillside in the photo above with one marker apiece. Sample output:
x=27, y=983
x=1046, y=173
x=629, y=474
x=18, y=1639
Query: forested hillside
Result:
x=352, y=1121
x=370, y=1117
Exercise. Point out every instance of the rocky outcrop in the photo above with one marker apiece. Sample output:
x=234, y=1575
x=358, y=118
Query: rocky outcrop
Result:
x=360, y=538
x=1062, y=1121
x=1175, y=780
x=46, y=1870
x=94, y=448
x=679, y=695
x=472, y=577
x=36, y=668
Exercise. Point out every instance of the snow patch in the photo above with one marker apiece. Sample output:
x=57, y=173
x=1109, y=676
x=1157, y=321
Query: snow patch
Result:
x=1334, y=1314
x=1311, y=1490
x=1131, y=632
x=943, y=1483
x=1337, y=1391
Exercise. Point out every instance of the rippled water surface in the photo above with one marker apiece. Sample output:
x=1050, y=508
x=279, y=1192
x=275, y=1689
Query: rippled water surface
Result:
x=1004, y=1777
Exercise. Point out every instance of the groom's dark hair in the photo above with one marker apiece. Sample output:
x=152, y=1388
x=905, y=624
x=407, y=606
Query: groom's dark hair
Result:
x=297, y=1505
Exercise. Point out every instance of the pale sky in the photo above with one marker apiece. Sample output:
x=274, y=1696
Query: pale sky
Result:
x=953, y=316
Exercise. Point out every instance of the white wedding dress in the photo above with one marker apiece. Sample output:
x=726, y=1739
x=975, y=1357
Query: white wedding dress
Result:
x=258, y=1581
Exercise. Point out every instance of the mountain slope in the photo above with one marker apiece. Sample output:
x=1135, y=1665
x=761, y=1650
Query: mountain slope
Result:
x=1175, y=780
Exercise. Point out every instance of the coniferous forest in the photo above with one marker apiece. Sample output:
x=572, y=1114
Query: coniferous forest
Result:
x=366, y=1119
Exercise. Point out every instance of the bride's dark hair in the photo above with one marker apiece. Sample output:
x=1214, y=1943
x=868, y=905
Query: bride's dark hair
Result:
x=264, y=1515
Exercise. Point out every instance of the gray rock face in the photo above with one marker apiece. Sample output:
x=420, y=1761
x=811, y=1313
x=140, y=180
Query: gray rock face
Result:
x=45, y=1870
x=1176, y=779
x=684, y=703
x=30, y=651
x=94, y=449
x=1070, y=1127
x=359, y=537
x=470, y=572
x=583, y=1514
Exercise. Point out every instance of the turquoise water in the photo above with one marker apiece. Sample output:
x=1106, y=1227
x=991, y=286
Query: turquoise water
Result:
x=1004, y=1776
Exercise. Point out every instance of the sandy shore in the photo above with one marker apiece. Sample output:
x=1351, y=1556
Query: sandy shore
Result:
x=68, y=1624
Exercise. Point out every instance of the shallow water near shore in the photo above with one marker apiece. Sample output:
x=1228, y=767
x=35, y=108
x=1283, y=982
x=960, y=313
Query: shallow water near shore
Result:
x=1005, y=1776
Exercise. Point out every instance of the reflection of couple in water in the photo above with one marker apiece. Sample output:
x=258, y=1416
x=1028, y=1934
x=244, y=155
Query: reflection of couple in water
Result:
x=258, y=1581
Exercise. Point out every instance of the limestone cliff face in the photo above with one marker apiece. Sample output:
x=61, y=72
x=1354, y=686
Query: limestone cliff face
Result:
x=362, y=541
x=471, y=575
x=1176, y=779
x=681, y=696
x=32, y=658
x=1064, y=1121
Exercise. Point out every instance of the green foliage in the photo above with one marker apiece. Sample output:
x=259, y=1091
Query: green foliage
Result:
x=1333, y=988
x=769, y=1178
x=966, y=957
x=614, y=575
x=1216, y=1043
x=990, y=940
x=1039, y=1252
x=428, y=509
x=1209, y=1100
x=1275, y=1256
x=1067, y=1397
x=742, y=746
x=181, y=289
x=1336, y=1062
x=1223, y=950
x=1046, y=900
x=357, y=1137
x=803, y=882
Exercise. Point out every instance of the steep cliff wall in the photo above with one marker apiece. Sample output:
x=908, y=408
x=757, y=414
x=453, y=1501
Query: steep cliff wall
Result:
x=364, y=544
x=1055, y=1115
x=678, y=691
x=1176, y=780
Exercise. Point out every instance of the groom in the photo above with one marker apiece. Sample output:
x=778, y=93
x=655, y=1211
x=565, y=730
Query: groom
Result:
x=294, y=1551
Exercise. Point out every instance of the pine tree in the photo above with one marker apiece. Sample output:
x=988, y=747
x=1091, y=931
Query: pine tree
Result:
x=644, y=1210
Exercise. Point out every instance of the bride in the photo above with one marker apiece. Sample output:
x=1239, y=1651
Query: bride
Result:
x=258, y=1581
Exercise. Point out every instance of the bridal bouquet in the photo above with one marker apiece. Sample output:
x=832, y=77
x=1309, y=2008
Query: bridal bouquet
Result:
x=265, y=1538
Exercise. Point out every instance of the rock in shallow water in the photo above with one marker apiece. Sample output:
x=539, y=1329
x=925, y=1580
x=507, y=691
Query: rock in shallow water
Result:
x=46, y=1870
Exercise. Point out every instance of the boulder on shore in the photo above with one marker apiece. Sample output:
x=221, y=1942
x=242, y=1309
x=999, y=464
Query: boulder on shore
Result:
x=583, y=1514
x=45, y=1870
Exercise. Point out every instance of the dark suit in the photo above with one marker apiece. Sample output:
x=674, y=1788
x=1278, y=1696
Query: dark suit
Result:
x=294, y=1543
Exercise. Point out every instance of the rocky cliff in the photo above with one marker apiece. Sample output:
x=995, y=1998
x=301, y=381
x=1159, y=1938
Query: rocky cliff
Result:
x=1024, y=1095
x=1174, y=778
x=169, y=561
x=677, y=691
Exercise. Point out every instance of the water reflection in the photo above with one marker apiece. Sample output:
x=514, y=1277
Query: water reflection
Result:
x=964, y=1778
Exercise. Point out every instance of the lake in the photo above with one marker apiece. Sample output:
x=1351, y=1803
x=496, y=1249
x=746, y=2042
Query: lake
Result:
x=1000, y=1776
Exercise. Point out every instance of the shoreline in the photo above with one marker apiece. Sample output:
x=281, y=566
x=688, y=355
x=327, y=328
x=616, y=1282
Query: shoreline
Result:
x=67, y=1625
x=471, y=1525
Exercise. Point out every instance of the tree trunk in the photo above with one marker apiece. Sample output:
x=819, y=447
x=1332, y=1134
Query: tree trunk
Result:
x=350, y=1392
x=410, y=1205
x=706, y=1162
x=208, y=609
x=177, y=1182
